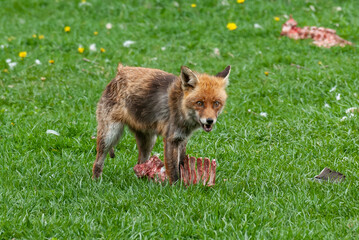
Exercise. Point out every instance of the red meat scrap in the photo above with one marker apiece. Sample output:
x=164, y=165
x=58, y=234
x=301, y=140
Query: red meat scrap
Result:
x=205, y=173
x=322, y=37
x=152, y=169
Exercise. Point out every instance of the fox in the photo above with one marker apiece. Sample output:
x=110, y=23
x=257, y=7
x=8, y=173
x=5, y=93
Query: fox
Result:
x=152, y=103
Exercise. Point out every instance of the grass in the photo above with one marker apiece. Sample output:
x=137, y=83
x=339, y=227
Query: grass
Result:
x=46, y=191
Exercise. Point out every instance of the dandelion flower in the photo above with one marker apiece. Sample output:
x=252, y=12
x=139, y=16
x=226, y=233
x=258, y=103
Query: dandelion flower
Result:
x=5, y=70
x=13, y=124
x=276, y=19
x=193, y=5
x=240, y=1
x=51, y=61
x=81, y=49
x=95, y=33
x=231, y=26
x=41, y=37
x=34, y=35
x=93, y=47
x=22, y=54
x=102, y=50
x=320, y=63
x=67, y=29
x=266, y=73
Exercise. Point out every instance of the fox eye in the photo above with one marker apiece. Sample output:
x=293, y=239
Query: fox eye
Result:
x=199, y=103
x=216, y=104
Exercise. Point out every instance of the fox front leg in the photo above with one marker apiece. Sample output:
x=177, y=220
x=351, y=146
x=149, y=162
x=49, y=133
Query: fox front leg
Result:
x=174, y=151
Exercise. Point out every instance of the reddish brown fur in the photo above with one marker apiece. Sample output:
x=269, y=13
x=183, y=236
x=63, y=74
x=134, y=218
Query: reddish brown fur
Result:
x=152, y=102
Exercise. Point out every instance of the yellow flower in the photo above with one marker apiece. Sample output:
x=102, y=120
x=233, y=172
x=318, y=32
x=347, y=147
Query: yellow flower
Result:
x=67, y=29
x=240, y=1
x=81, y=49
x=276, y=19
x=13, y=124
x=266, y=73
x=102, y=50
x=193, y=5
x=22, y=54
x=231, y=26
x=320, y=63
x=95, y=33
x=41, y=37
x=5, y=70
x=83, y=1
x=51, y=61
x=34, y=36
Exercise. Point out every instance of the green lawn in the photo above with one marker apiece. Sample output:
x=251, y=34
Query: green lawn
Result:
x=265, y=164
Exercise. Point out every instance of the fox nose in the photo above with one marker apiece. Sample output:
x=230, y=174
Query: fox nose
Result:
x=210, y=121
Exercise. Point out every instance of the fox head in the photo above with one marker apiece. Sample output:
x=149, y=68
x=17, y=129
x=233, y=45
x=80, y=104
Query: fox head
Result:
x=204, y=96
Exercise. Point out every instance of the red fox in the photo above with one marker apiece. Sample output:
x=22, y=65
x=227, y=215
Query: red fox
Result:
x=152, y=102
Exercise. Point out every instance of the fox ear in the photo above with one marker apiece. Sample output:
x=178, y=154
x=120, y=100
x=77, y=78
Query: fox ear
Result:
x=225, y=74
x=189, y=79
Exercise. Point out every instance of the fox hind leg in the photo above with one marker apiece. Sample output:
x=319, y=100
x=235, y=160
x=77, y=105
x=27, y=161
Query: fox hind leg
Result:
x=145, y=143
x=108, y=136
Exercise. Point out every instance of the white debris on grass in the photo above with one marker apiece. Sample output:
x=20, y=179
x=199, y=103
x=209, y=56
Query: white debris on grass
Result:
x=338, y=9
x=8, y=60
x=263, y=114
x=338, y=97
x=128, y=43
x=225, y=3
x=351, y=110
x=108, y=26
x=333, y=89
x=326, y=105
x=49, y=131
x=12, y=64
x=93, y=47
x=163, y=48
x=343, y=118
x=37, y=61
x=256, y=25
x=216, y=52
